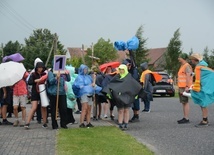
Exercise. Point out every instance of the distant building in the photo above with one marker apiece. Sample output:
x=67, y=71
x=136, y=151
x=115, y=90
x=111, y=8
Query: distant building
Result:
x=155, y=56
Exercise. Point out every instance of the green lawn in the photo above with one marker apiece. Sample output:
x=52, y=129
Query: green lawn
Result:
x=98, y=141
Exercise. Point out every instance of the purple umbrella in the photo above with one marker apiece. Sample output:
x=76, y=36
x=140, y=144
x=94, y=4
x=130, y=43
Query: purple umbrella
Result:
x=17, y=57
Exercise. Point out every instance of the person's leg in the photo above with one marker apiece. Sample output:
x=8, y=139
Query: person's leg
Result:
x=205, y=114
x=88, y=114
x=105, y=109
x=186, y=110
x=32, y=111
x=15, y=112
x=38, y=113
x=44, y=115
x=63, y=111
x=126, y=117
x=120, y=117
x=83, y=113
x=4, y=115
x=53, y=111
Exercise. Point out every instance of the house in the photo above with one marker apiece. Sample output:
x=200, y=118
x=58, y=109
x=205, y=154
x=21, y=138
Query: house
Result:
x=155, y=56
x=157, y=59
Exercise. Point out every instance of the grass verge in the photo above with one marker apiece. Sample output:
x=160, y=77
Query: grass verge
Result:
x=98, y=141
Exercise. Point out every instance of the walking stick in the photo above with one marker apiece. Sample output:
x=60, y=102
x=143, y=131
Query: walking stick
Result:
x=57, y=96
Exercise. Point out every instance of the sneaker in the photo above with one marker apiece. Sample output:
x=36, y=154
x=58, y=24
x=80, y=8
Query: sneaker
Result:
x=183, y=121
x=202, y=123
x=105, y=116
x=89, y=125
x=134, y=119
x=27, y=126
x=21, y=124
x=82, y=125
x=16, y=123
x=39, y=122
x=64, y=127
x=77, y=112
x=146, y=111
x=7, y=123
x=125, y=128
x=75, y=122
x=45, y=126
x=112, y=117
x=0, y=123
x=121, y=127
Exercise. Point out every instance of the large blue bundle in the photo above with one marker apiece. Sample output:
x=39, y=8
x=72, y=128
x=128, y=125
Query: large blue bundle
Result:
x=131, y=44
x=120, y=45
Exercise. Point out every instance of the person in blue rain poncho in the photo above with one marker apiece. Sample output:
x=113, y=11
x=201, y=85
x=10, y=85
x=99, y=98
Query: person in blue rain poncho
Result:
x=203, y=88
x=84, y=87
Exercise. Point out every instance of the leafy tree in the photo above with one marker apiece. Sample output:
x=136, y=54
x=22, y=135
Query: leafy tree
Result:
x=12, y=47
x=142, y=52
x=75, y=62
x=206, y=55
x=173, y=51
x=38, y=45
x=104, y=50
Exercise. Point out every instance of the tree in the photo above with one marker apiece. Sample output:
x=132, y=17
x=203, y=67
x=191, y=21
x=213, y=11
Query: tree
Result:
x=12, y=47
x=38, y=45
x=142, y=52
x=173, y=51
x=104, y=50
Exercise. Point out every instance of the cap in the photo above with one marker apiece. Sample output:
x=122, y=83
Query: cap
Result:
x=183, y=56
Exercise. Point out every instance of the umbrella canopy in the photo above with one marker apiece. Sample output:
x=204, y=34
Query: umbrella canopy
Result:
x=12, y=72
x=17, y=57
x=109, y=64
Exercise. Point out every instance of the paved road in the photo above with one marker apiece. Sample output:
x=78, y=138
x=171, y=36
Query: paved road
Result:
x=160, y=131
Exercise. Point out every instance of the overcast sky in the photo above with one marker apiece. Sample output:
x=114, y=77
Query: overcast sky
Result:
x=80, y=22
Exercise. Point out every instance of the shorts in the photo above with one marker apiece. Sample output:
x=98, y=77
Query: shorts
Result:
x=100, y=99
x=183, y=99
x=86, y=99
x=22, y=100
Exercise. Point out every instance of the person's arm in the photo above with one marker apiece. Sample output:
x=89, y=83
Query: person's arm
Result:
x=188, y=78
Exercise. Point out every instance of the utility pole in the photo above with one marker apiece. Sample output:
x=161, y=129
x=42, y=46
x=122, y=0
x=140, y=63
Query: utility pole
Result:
x=53, y=48
x=82, y=54
x=92, y=53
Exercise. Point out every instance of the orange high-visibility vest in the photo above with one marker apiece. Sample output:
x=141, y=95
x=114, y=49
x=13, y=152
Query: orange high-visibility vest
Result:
x=182, y=77
x=197, y=84
x=143, y=75
x=157, y=76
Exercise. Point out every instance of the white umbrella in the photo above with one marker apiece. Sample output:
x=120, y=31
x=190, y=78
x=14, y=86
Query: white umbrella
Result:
x=11, y=72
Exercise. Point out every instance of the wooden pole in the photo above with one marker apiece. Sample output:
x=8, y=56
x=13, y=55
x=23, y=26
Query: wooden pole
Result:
x=57, y=95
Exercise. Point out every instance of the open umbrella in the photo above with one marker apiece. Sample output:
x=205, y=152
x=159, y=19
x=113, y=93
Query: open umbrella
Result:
x=11, y=72
x=109, y=64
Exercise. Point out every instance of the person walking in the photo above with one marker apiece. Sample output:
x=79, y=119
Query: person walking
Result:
x=5, y=99
x=136, y=105
x=37, y=77
x=202, y=92
x=20, y=98
x=146, y=81
x=123, y=89
x=84, y=87
x=52, y=86
x=184, y=83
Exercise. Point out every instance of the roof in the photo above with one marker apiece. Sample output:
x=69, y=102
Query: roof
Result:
x=154, y=54
x=76, y=52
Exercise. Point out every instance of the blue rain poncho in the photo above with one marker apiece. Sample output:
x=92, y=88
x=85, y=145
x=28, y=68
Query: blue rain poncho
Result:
x=82, y=84
x=205, y=96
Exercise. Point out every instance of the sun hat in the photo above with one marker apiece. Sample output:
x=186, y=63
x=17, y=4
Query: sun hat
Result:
x=196, y=56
